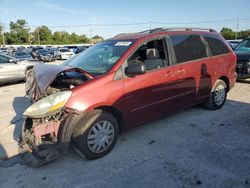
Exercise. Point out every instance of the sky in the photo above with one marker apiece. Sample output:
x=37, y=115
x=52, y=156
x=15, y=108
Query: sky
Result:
x=102, y=17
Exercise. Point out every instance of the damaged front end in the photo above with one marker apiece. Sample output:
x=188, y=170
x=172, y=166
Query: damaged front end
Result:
x=44, y=134
x=41, y=141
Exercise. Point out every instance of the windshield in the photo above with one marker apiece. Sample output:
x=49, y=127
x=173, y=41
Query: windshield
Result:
x=101, y=57
x=244, y=46
x=42, y=51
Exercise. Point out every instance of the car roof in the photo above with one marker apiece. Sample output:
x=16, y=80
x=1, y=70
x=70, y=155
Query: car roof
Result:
x=162, y=31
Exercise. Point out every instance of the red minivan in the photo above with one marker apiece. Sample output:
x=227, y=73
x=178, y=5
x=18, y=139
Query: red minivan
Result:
x=121, y=83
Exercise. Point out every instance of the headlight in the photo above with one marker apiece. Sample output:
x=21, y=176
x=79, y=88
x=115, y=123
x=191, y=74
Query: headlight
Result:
x=48, y=104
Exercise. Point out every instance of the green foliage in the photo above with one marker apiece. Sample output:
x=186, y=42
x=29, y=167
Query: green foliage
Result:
x=229, y=34
x=1, y=28
x=19, y=32
x=42, y=35
x=97, y=37
x=1, y=33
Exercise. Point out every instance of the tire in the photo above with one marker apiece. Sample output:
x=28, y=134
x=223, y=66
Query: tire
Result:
x=217, y=96
x=96, y=134
x=61, y=58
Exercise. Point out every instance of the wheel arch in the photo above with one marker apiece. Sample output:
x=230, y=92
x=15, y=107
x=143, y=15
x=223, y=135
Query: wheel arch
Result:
x=226, y=80
x=28, y=68
x=116, y=113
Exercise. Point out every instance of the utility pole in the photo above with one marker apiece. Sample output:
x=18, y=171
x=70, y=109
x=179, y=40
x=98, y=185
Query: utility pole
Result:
x=150, y=26
x=90, y=33
x=237, y=29
x=3, y=40
x=38, y=36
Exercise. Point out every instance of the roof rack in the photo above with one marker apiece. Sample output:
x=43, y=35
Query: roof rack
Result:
x=178, y=29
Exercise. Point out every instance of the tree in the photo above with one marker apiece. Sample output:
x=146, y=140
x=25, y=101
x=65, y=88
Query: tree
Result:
x=19, y=31
x=42, y=35
x=1, y=34
x=97, y=37
x=227, y=33
x=84, y=39
x=20, y=34
x=57, y=37
x=244, y=34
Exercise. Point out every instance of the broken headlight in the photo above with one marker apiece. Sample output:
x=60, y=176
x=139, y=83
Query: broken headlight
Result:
x=48, y=104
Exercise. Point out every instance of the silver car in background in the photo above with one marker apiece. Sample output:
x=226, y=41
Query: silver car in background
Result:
x=12, y=70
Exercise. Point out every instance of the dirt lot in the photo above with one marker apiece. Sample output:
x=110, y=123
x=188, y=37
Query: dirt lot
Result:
x=193, y=148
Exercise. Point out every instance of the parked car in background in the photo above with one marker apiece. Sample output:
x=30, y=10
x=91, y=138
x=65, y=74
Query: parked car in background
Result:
x=80, y=49
x=3, y=50
x=12, y=70
x=22, y=55
x=243, y=59
x=45, y=55
x=234, y=43
x=121, y=83
x=71, y=48
x=34, y=51
x=56, y=52
x=65, y=53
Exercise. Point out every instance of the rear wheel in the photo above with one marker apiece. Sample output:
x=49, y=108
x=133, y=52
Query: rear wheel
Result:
x=217, y=96
x=96, y=134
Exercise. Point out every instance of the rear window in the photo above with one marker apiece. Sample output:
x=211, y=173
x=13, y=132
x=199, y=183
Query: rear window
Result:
x=64, y=50
x=188, y=47
x=215, y=44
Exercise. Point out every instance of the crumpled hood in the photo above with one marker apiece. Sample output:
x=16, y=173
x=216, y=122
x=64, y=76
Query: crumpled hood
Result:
x=44, y=75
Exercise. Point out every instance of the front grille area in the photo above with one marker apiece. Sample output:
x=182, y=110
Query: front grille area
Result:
x=241, y=68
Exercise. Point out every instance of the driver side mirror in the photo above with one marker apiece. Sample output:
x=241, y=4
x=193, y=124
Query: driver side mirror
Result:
x=134, y=69
x=12, y=61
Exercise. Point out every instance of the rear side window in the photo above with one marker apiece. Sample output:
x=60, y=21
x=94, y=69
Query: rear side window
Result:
x=216, y=45
x=188, y=47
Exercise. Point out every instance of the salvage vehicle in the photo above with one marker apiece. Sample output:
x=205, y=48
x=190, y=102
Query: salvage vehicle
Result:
x=45, y=55
x=22, y=55
x=119, y=84
x=243, y=59
x=13, y=70
x=65, y=53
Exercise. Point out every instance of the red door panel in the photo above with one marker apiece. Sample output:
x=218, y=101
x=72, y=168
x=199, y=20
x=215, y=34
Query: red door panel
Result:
x=150, y=95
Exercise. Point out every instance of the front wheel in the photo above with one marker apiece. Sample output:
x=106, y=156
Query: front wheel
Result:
x=217, y=96
x=96, y=134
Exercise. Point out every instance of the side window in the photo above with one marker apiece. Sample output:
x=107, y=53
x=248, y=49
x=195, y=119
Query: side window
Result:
x=152, y=54
x=215, y=44
x=188, y=47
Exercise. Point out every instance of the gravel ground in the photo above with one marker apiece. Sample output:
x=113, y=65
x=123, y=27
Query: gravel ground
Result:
x=193, y=148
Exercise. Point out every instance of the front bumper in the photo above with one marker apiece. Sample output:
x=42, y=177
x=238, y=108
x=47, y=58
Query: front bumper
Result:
x=42, y=142
x=66, y=56
x=45, y=58
x=243, y=70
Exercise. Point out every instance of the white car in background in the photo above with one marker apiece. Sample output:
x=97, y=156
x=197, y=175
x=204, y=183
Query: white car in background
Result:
x=12, y=70
x=65, y=53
